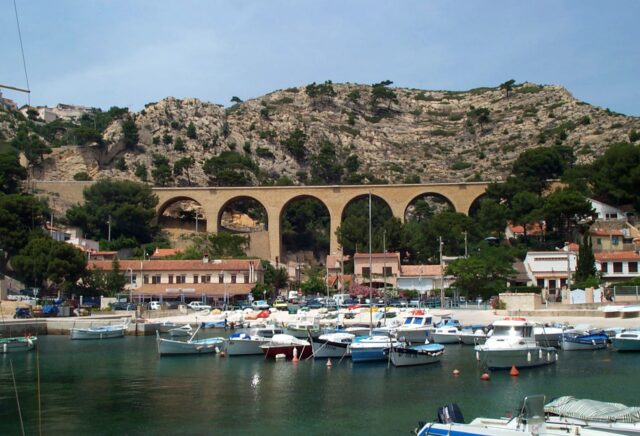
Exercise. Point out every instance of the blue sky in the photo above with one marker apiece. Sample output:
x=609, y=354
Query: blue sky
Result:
x=127, y=53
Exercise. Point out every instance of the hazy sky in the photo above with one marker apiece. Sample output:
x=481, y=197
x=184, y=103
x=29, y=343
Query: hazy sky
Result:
x=127, y=53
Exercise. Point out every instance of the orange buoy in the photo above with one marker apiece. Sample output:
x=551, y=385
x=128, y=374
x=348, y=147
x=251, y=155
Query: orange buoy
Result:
x=456, y=372
x=485, y=376
x=514, y=371
x=329, y=364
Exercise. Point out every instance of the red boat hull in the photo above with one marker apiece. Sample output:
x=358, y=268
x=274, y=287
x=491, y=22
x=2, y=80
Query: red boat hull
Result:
x=304, y=351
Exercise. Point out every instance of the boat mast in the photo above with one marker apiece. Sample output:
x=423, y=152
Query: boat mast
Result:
x=384, y=273
x=370, y=273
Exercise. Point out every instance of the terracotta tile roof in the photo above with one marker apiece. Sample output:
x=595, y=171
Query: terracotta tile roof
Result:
x=617, y=255
x=421, y=270
x=334, y=261
x=179, y=265
x=532, y=229
x=605, y=232
x=102, y=253
x=187, y=289
x=346, y=279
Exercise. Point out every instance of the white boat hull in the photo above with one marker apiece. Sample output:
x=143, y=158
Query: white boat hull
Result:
x=245, y=347
x=472, y=339
x=12, y=345
x=576, y=346
x=171, y=347
x=445, y=338
x=520, y=358
x=324, y=350
x=97, y=333
x=416, y=335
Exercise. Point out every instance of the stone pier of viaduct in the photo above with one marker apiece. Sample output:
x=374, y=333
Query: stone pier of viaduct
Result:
x=214, y=200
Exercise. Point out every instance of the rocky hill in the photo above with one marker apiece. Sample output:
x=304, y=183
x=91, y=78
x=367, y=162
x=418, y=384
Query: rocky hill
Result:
x=338, y=133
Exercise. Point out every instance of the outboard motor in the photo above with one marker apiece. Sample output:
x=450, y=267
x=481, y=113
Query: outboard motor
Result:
x=450, y=413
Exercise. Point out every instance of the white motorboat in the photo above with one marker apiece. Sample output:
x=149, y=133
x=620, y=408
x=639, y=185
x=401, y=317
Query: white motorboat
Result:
x=191, y=346
x=165, y=326
x=101, y=332
x=446, y=335
x=288, y=345
x=302, y=325
x=579, y=339
x=18, y=343
x=416, y=354
x=415, y=327
x=513, y=344
x=592, y=418
x=371, y=348
x=627, y=341
x=243, y=344
x=332, y=345
x=548, y=336
x=182, y=331
x=473, y=336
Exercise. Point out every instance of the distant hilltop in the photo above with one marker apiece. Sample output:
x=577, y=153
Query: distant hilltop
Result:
x=320, y=134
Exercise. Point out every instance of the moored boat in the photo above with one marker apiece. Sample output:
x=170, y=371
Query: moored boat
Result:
x=100, y=332
x=415, y=354
x=446, y=335
x=244, y=344
x=578, y=339
x=627, y=341
x=191, y=346
x=415, y=327
x=18, y=343
x=371, y=348
x=183, y=330
x=473, y=336
x=513, y=344
x=336, y=344
x=286, y=344
x=548, y=336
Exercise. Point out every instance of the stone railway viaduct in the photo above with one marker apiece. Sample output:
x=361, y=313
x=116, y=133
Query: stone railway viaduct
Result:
x=214, y=200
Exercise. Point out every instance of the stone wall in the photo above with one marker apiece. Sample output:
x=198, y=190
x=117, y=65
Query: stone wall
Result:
x=521, y=302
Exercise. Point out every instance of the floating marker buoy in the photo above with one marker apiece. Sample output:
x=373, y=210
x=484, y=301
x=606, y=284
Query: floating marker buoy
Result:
x=514, y=371
x=485, y=377
x=295, y=356
x=329, y=364
x=456, y=372
x=222, y=353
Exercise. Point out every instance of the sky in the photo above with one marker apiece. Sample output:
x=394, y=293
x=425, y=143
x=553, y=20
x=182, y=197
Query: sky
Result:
x=104, y=53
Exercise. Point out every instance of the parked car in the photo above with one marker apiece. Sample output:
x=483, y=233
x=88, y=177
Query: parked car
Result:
x=154, y=305
x=198, y=305
x=348, y=302
x=260, y=305
x=123, y=305
x=280, y=304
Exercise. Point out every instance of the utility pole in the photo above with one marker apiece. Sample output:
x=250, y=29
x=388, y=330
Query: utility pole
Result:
x=441, y=274
x=109, y=227
x=370, y=273
x=466, y=251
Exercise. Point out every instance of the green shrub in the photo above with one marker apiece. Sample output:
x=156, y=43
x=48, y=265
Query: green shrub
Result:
x=82, y=176
x=442, y=132
x=179, y=144
x=264, y=153
x=461, y=165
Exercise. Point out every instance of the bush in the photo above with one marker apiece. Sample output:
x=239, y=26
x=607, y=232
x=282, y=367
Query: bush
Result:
x=82, y=176
x=634, y=135
x=140, y=171
x=167, y=139
x=121, y=164
x=179, y=144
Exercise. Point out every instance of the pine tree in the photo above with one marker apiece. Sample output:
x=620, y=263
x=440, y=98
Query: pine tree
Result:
x=586, y=260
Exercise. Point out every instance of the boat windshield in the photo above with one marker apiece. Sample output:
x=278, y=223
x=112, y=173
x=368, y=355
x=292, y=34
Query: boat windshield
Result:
x=512, y=331
x=409, y=320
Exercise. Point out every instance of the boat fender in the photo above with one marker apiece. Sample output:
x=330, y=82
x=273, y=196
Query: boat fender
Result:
x=329, y=364
x=450, y=414
x=540, y=353
x=529, y=356
x=485, y=376
x=456, y=372
x=556, y=354
x=548, y=356
x=478, y=356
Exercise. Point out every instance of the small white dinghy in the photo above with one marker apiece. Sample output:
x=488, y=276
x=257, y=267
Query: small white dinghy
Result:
x=191, y=346
x=101, y=332
x=182, y=331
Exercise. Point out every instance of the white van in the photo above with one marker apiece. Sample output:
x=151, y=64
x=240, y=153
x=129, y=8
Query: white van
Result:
x=339, y=298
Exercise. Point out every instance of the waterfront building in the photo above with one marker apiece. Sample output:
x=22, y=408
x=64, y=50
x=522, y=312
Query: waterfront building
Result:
x=618, y=266
x=215, y=280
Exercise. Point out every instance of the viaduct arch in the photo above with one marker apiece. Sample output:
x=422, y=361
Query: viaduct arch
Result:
x=274, y=198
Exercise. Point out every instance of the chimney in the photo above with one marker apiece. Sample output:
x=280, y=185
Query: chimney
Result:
x=205, y=258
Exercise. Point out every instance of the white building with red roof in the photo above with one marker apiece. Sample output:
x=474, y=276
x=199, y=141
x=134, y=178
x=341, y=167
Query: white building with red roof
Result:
x=618, y=266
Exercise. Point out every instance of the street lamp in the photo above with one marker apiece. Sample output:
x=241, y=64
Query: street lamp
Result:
x=130, y=271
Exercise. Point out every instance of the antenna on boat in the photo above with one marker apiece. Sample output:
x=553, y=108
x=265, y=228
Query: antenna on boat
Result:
x=370, y=274
x=15, y=388
x=39, y=402
x=24, y=63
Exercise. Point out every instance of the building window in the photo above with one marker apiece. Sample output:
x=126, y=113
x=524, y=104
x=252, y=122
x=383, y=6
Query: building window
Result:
x=366, y=271
x=181, y=279
x=599, y=241
x=246, y=278
x=615, y=240
x=617, y=267
x=387, y=271
x=221, y=278
x=170, y=278
x=541, y=283
x=206, y=279
x=134, y=279
x=633, y=267
x=156, y=279
x=146, y=279
x=604, y=267
x=195, y=278
x=234, y=278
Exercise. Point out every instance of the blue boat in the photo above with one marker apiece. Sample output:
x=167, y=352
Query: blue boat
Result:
x=371, y=348
x=576, y=339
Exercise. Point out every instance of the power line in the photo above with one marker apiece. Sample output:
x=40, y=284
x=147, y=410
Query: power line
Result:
x=24, y=62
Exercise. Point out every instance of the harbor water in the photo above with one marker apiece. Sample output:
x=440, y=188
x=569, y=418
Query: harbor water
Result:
x=121, y=386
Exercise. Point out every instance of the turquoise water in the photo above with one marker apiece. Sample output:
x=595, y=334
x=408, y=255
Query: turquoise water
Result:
x=121, y=386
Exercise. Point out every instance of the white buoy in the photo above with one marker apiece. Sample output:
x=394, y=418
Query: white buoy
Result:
x=281, y=356
x=529, y=356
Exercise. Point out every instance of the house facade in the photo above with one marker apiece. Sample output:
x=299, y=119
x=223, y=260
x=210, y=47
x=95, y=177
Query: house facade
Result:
x=187, y=279
x=423, y=278
x=377, y=268
x=618, y=266
x=550, y=269
x=613, y=235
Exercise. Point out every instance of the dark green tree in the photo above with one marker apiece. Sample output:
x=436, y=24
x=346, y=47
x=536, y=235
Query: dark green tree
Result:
x=130, y=133
x=183, y=166
x=295, y=144
x=179, y=144
x=11, y=173
x=507, y=86
x=162, y=170
x=616, y=175
x=326, y=168
x=191, y=131
x=564, y=209
x=235, y=99
x=48, y=263
x=492, y=217
x=130, y=205
x=536, y=166
x=275, y=278
x=305, y=226
x=480, y=115
x=19, y=215
x=586, y=267
x=380, y=92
